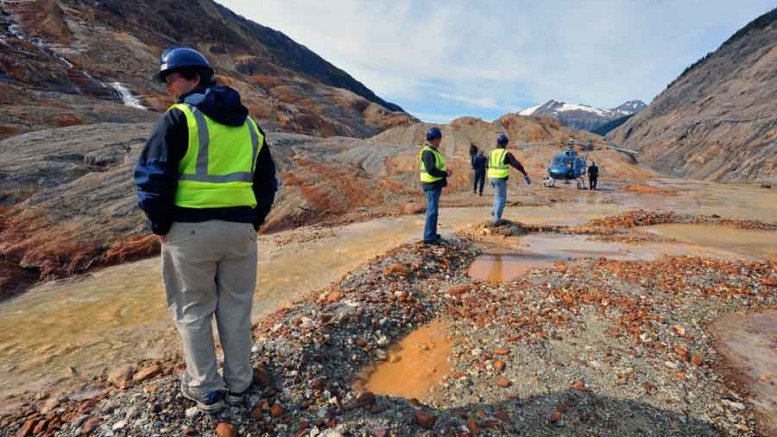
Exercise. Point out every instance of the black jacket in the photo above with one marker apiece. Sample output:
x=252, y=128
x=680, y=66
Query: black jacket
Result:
x=156, y=173
x=430, y=164
x=479, y=163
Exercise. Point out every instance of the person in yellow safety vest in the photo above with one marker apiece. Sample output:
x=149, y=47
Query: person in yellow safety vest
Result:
x=206, y=181
x=499, y=162
x=434, y=176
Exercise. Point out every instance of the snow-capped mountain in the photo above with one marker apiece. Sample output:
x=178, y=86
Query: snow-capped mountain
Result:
x=582, y=116
x=631, y=107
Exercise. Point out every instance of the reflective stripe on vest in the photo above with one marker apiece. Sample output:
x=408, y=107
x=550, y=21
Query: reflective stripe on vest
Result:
x=217, y=170
x=497, y=168
x=439, y=164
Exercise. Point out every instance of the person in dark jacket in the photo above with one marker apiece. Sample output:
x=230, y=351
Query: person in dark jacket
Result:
x=434, y=176
x=206, y=181
x=593, y=175
x=479, y=165
x=499, y=163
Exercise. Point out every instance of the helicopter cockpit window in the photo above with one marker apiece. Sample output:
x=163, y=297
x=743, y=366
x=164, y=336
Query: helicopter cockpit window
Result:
x=558, y=161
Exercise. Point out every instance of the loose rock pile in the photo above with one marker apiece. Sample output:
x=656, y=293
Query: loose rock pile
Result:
x=589, y=347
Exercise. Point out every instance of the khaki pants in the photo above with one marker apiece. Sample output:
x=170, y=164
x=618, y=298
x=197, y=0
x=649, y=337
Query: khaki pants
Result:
x=208, y=269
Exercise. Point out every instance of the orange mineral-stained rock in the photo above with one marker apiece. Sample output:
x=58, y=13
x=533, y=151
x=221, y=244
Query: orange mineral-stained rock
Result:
x=224, y=429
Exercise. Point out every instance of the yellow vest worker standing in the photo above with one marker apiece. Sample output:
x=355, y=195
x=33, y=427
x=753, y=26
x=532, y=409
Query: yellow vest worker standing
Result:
x=499, y=162
x=434, y=176
x=206, y=181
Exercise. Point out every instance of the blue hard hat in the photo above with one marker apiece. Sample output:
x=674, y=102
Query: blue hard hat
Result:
x=502, y=140
x=178, y=58
x=433, y=133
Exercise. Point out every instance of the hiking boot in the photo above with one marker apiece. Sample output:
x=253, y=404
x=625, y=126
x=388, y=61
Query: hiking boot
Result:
x=235, y=399
x=210, y=402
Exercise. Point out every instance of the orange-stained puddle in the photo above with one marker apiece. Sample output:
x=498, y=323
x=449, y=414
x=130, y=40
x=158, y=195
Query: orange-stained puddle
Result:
x=746, y=242
x=415, y=366
x=503, y=264
x=748, y=343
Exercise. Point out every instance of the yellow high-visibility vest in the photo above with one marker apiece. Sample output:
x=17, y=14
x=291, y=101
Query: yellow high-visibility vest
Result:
x=439, y=164
x=217, y=170
x=497, y=168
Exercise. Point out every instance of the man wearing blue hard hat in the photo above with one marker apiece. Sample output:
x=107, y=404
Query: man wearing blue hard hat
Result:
x=434, y=176
x=206, y=181
x=499, y=163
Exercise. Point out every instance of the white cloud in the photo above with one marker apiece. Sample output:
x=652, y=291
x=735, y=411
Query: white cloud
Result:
x=503, y=55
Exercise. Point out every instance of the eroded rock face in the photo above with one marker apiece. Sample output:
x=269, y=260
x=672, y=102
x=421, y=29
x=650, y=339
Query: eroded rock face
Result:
x=61, y=61
x=718, y=120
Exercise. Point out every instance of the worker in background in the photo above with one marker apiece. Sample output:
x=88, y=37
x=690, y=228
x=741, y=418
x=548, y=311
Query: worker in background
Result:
x=593, y=176
x=499, y=163
x=434, y=176
x=479, y=163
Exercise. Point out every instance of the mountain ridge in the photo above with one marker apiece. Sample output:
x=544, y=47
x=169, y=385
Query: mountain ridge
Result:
x=60, y=59
x=718, y=119
x=582, y=116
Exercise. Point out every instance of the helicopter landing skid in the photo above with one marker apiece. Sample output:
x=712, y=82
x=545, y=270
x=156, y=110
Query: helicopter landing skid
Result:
x=550, y=182
x=580, y=183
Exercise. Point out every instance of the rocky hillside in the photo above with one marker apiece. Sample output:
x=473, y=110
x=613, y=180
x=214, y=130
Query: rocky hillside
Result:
x=718, y=120
x=72, y=62
x=582, y=116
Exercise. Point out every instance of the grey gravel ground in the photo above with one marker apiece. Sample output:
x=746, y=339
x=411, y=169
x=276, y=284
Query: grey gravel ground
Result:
x=590, y=347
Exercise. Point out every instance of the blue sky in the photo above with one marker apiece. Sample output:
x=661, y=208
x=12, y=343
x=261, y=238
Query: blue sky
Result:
x=443, y=59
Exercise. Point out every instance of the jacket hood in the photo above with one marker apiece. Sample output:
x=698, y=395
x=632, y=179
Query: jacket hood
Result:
x=221, y=103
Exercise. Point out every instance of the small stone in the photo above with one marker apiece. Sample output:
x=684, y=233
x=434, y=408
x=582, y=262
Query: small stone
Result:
x=734, y=405
x=503, y=382
x=502, y=351
x=26, y=428
x=49, y=406
x=379, y=432
x=361, y=342
x=119, y=425
x=555, y=417
x=697, y=360
x=191, y=412
x=90, y=425
x=365, y=399
x=472, y=426
x=502, y=415
x=459, y=290
x=257, y=413
x=39, y=427
x=579, y=385
x=276, y=410
x=333, y=296
x=261, y=377
x=682, y=352
x=425, y=419
x=499, y=365
x=147, y=373
x=225, y=429
x=397, y=268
